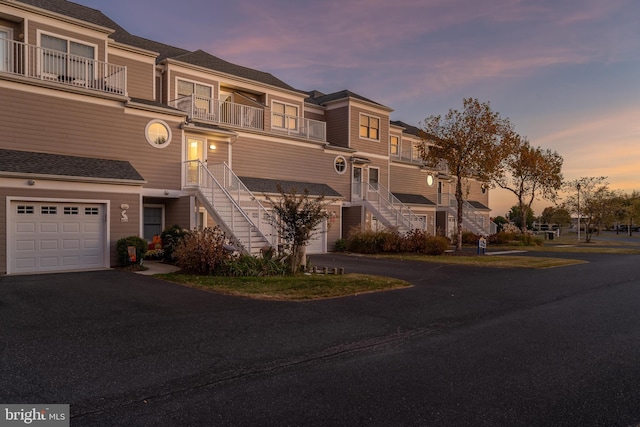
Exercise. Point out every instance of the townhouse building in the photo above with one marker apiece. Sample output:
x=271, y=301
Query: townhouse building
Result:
x=105, y=135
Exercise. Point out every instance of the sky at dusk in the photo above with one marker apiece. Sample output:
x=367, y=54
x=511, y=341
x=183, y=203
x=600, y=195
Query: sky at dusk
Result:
x=566, y=73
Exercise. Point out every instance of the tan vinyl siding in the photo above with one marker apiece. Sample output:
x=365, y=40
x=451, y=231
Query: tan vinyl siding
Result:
x=64, y=126
x=139, y=76
x=338, y=126
x=412, y=181
x=474, y=189
x=273, y=160
x=380, y=147
x=314, y=116
x=333, y=227
x=118, y=229
x=177, y=212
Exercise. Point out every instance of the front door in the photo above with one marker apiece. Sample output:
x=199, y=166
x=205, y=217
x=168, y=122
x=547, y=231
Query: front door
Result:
x=196, y=154
x=356, y=183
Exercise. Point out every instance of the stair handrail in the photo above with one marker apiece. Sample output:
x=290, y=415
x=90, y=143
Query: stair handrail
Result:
x=408, y=219
x=228, y=176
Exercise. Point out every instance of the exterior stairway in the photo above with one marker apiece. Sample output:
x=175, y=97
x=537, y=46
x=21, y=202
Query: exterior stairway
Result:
x=235, y=209
x=390, y=211
x=474, y=221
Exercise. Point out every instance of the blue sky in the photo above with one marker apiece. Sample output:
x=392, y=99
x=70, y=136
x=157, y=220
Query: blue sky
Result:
x=566, y=73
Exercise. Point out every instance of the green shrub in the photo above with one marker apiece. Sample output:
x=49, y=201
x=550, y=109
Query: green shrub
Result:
x=122, y=250
x=436, y=245
x=202, y=251
x=171, y=237
x=365, y=242
x=341, y=245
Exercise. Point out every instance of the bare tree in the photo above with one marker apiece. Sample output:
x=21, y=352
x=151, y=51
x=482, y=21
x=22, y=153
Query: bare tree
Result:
x=530, y=174
x=468, y=143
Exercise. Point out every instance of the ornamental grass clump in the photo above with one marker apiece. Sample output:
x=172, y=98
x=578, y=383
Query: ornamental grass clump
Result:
x=202, y=252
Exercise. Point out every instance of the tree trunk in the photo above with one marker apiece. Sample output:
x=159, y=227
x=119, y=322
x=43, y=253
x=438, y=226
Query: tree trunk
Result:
x=459, y=202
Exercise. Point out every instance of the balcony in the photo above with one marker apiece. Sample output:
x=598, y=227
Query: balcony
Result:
x=33, y=62
x=246, y=117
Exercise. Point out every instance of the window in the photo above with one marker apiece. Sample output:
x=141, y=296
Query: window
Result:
x=374, y=177
x=415, y=151
x=152, y=222
x=91, y=211
x=430, y=180
x=66, y=60
x=395, y=146
x=369, y=127
x=284, y=116
x=340, y=165
x=158, y=133
x=70, y=210
x=48, y=210
x=202, y=94
x=25, y=210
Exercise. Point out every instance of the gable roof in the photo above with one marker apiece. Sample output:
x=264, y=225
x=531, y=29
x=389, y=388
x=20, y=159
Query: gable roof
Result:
x=263, y=185
x=206, y=60
x=320, y=98
x=28, y=162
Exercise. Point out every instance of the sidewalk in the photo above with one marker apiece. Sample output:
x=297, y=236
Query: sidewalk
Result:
x=157, y=267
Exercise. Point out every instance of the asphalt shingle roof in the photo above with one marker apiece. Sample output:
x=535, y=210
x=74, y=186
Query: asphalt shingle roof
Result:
x=320, y=98
x=477, y=205
x=121, y=35
x=206, y=60
x=413, y=199
x=263, y=185
x=28, y=162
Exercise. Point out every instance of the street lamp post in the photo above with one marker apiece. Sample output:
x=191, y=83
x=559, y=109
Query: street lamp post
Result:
x=578, y=187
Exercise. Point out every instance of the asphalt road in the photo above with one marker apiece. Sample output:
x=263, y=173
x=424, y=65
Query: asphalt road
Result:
x=464, y=346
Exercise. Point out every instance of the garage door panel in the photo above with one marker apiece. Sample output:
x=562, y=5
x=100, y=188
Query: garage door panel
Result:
x=25, y=227
x=48, y=244
x=71, y=227
x=92, y=244
x=48, y=227
x=49, y=236
x=70, y=244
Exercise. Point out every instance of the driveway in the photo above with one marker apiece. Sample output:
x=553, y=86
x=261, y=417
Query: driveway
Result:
x=128, y=349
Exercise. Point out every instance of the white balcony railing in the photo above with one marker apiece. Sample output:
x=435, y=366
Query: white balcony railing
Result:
x=220, y=112
x=35, y=62
x=299, y=126
x=247, y=117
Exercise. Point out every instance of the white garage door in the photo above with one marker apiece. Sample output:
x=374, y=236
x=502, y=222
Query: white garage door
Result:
x=318, y=243
x=50, y=236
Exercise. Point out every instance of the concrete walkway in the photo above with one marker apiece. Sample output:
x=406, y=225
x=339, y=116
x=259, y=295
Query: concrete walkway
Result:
x=157, y=267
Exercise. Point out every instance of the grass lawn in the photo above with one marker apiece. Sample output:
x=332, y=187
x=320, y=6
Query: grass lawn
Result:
x=292, y=288
x=498, y=261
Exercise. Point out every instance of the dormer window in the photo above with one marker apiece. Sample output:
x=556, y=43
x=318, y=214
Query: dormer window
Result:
x=369, y=127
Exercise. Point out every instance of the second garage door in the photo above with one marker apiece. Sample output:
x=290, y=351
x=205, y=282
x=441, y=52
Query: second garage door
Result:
x=50, y=236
